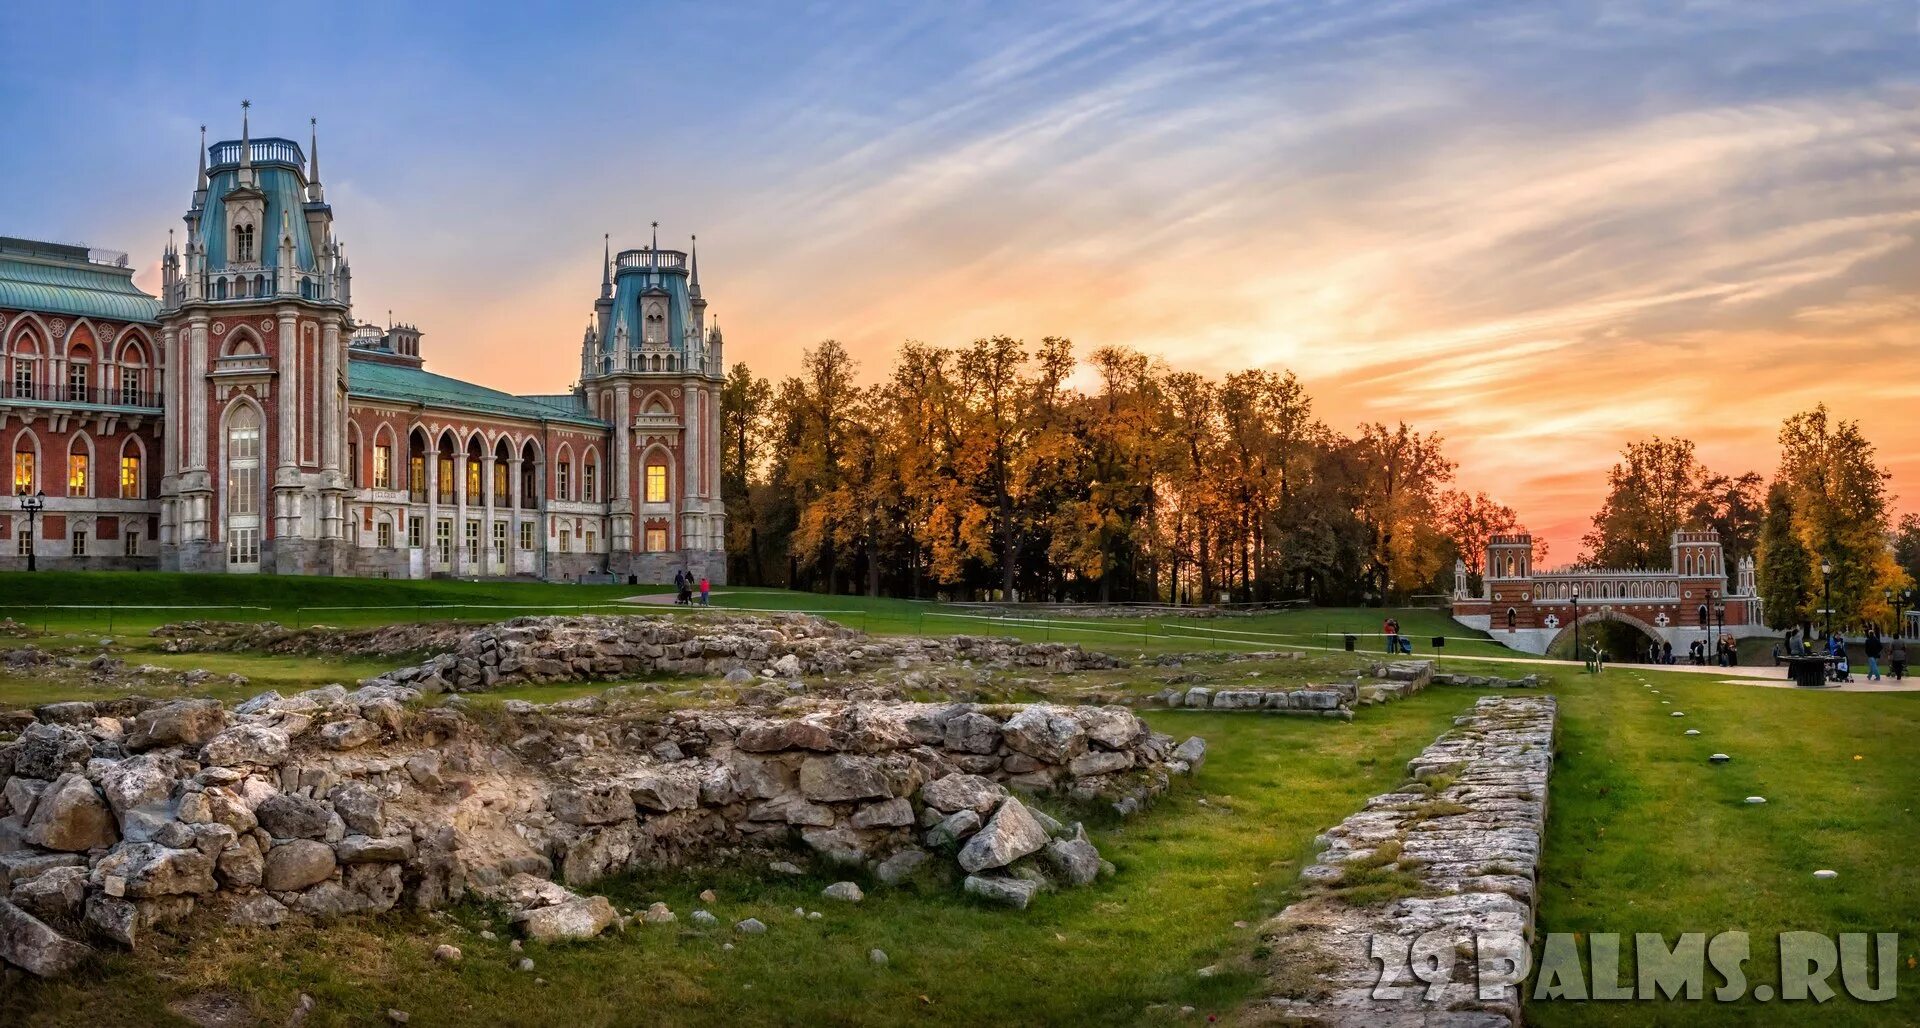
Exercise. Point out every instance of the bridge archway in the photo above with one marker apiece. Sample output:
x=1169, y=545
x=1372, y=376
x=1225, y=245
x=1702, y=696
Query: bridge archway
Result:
x=1607, y=615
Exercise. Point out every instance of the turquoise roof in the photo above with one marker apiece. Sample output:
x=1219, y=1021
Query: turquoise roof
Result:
x=285, y=190
x=381, y=380
x=76, y=288
x=635, y=286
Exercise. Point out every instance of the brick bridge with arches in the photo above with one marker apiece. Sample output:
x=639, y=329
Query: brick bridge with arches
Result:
x=1531, y=610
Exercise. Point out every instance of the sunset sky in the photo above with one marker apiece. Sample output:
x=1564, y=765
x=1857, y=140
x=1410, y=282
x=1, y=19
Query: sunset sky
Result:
x=1542, y=229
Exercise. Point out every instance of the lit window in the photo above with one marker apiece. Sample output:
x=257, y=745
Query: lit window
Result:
x=130, y=476
x=444, y=480
x=417, y=479
x=656, y=540
x=76, y=474
x=500, y=489
x=473, y=480
x=23, y=478
x=656, y=483
x=383, y=467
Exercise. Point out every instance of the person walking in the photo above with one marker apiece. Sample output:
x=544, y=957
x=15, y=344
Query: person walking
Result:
x=706, y=588
x=679, y=586
x=1872, y=647
x=1897, y=657
x=1391, y=629
x=1666, y=652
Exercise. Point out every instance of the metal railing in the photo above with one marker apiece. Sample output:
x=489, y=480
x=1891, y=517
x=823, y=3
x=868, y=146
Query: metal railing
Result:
x=651, y=259
x=86, y=396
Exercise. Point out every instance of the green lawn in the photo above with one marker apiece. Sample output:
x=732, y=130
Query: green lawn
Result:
x=1644, y=835
x=96, y=603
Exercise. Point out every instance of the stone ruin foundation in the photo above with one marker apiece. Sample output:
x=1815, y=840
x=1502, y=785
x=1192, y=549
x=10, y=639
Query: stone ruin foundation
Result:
x=1456, y=849
x=127, y=814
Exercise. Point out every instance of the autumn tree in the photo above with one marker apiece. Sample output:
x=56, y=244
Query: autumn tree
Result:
x=1840, y=511
x=745, y=422
x=1785, y=578
x=1469, y=521
x=819, y=408
x=1401, y=474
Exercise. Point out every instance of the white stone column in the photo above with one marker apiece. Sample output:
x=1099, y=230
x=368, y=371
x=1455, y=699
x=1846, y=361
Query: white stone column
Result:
x=460, y=502
x=487, y=490
x=430, y=551
x=193, y=388
x=289, y=395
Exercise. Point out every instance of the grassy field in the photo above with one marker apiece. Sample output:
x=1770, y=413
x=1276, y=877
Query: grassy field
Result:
x=1644, y=835
x=85, y=605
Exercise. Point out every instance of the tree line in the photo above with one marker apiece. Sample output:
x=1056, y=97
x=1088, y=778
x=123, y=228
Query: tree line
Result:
x=1004, y=469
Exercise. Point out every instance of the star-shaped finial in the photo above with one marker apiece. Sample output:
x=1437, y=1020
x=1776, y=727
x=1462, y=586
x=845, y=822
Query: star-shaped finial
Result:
x=244, y=104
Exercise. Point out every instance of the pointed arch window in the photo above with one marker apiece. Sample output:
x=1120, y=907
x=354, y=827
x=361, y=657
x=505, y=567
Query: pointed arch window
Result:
x=130, y=483
x=243, y=244
x=79, y=471
x=244, y=469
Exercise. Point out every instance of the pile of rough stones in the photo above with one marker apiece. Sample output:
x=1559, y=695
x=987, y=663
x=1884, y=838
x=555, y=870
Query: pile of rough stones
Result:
x=123, y=815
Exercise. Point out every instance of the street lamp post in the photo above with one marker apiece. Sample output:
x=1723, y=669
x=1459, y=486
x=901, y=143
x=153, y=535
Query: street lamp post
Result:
x=1576, y=624
x=1826, y=602
x=1706, y=622
x=32, y=505
x=1720, y=622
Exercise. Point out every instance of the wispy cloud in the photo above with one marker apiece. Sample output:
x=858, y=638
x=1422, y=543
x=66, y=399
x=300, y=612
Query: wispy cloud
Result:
x=1543, y=229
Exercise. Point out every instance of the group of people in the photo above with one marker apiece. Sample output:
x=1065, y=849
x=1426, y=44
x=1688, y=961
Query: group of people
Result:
x=683, y=585
x=1840, y=664
x=1396, y=643
x=1895, y=651
x=1724, y=652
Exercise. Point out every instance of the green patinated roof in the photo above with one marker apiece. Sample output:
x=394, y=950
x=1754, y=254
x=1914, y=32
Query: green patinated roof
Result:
x=72, y=287
x=376, y=379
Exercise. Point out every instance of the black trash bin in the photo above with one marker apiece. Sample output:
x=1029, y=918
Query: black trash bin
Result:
x=1350, y=641
x=633, y=579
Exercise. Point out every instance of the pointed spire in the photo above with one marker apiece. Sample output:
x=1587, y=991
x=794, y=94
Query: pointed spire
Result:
x=246, y=138
x=656, y=237
x=313, y=155
x=202, y=186
x=693, y=247
x=606, y=266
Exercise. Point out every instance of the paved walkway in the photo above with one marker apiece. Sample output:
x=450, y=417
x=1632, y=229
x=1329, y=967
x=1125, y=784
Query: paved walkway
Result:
x=666, y=599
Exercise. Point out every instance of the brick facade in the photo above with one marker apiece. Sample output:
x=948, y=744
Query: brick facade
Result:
x=272, y=433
